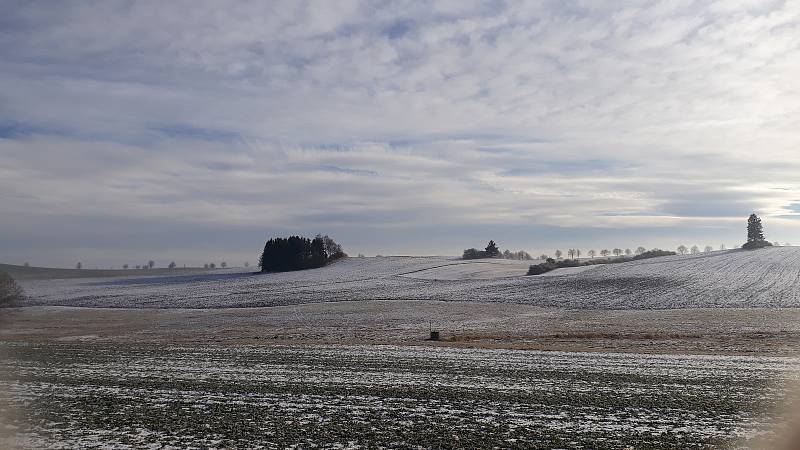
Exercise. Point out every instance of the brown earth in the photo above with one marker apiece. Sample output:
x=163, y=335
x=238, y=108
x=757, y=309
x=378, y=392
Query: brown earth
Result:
x=768, y=332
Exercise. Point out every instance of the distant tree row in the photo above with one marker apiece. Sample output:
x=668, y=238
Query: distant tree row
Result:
x=520, y=255
x=298, y=253
x=552, y=264
x=575, y=253
x=173, y=265
x=695, y=250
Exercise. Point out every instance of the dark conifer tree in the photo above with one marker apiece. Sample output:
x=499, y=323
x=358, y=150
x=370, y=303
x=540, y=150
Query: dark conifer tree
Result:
x=492, y=250
x=755, y=231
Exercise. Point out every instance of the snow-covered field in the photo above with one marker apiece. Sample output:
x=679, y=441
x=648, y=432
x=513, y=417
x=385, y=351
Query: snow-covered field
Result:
x=764, y=278
x=86, y=395
x=484, y=269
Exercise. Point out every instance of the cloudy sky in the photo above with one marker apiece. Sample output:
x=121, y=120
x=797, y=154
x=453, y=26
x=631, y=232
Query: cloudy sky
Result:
x=193, y=131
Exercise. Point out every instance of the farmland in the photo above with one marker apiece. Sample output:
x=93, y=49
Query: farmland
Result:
x=82, y=395
x=695, y=351
x=769, y=278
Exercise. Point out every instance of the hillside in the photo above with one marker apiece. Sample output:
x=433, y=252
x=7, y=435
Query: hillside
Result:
x=478, y=269
x=763, y=278
x=53, y=273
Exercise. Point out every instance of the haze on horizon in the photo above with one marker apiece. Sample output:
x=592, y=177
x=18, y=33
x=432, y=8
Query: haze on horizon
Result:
x=195, y=133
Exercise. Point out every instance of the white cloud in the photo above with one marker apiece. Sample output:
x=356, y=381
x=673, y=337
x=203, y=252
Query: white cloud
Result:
x=587, y=114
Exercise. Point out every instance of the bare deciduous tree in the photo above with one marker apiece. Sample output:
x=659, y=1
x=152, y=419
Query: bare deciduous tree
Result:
x=682, y=249
x=223, y=264
x=558, y=254
x=628, y=252
x=617, y=252
x=150, y=264
x=592, y=253
x=640, y=250
x=79, y=265
x=695, y=250
x=172, y=265
x=604, y=253
x=708, y=249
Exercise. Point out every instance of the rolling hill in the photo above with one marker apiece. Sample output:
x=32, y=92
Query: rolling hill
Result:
x=759, y=279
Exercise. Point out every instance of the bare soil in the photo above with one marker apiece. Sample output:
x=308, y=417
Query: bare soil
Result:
x=767, y=332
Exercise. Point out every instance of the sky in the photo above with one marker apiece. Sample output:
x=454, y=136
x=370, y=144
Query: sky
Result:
x=192, y=131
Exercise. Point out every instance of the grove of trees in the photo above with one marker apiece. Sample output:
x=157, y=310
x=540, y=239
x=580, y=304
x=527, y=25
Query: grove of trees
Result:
x=493, y=251
x=298, y=253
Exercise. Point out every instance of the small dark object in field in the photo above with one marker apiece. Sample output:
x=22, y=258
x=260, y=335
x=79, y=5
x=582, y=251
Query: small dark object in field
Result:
x=434, y=336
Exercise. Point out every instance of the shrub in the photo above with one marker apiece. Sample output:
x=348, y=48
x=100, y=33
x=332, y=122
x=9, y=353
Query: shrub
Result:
x=10, y=291
x=552, y=264
x=473, y=253
x=654, y=253
x=752, y=245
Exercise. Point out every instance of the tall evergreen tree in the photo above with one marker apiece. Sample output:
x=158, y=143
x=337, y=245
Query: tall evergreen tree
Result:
x=492, y=250
x=755, y=231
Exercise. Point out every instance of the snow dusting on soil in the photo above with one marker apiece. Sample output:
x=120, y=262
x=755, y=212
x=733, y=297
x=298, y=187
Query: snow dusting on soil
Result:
x=763, y=278
x=485, y=269
x=82, y=395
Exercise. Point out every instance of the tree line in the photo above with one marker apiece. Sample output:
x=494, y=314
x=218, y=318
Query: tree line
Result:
x=151, y=264
x=552, y=264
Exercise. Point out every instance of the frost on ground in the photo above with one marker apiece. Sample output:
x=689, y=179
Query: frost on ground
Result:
x=763, y=278
x=483, y=269
x=85, y=395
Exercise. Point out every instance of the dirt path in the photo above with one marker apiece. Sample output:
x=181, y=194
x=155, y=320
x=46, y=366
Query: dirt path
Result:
x=769, y=332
